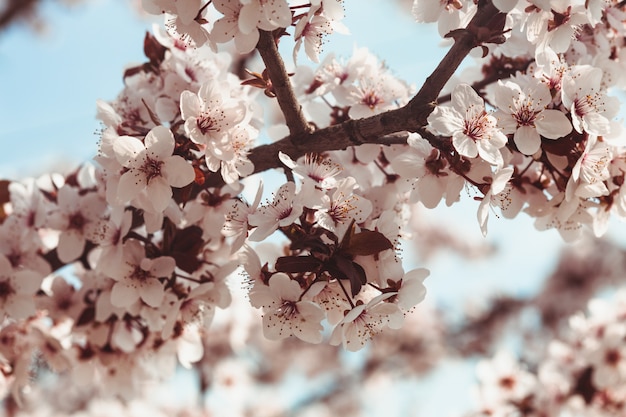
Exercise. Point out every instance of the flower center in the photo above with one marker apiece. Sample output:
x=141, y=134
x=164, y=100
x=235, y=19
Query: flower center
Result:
x=525, y=116
x=586, y=104
x=151, y=168
x=287, y=310
x=475, y=127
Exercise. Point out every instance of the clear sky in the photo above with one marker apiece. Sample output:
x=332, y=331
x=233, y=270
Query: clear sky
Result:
x=49, y=84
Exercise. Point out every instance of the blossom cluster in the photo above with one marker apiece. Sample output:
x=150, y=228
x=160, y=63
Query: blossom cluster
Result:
x=195, y=23
x=160, y=224
x=583, y=373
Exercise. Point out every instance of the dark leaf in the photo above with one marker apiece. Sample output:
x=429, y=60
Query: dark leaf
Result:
x=87, y=316
x=184, y=247
x=367, y=242
x=298, y=264
x=153, y=50
x=344, y=268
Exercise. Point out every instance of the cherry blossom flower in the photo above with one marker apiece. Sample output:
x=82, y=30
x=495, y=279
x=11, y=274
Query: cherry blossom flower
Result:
x=492, y=197
x=607, y=354
x=283, y=211
x=337, y=211
x=322, y=19
x=474, y=132
x=264, y=14
x=320, y=170
x=412, y=291
x=138, y=277
x=236, y=220
x=503, y=380
x=590, y=171
x=151, y=167
x=590, y=107
x=183, y=17
x=209, y=118
x=427, y=172
x=17, y=290
x=284, y=312
x=524, y=113
x=227, y=27
x=364, y=321
x=77, y=217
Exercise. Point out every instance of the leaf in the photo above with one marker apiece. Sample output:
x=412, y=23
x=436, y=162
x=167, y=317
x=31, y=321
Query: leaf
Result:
x=153, y=49
x=343, y=268
x=298, y=264
x=185, y=246
x=367, y=242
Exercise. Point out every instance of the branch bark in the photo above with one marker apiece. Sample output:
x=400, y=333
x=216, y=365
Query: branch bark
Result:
x=289, y=105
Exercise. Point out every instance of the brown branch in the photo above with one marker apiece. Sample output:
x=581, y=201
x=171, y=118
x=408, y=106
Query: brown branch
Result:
x=14, y=10
x=291, y=109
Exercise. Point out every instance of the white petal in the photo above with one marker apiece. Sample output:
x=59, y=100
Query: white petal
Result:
x=123, y=296
x=127, y=149
x=177, y=171
x=527, y=140
x=159, y=143
x=152, y=292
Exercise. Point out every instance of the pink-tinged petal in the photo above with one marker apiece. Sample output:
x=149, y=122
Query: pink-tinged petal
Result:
x=131, y=183
x=464, y=145
x=127, y=149
x=277, y=12
x=189, y=104
x=68, y=198
x=311, y=330
x=224, y=30
x=490, y=152
x=159, y=143
x=596, y=124
x=284, y=288
x=354, y=337
x=163, y=266
x=245, y=43
x=26, y=282
x=177, y=171
x=160, y=193
x=71, y=245
x=187, y=10
x=5, y=265
x=151, y=292
x=430, y=191
x=506, y=95
x=190, y=348
x=446, y=120
x=506, y=121
x=465, y=97
x=275, y=327
x=527, y=140
x=20, y=306
x=248, y=18
x=553, y=124
x=123, y=296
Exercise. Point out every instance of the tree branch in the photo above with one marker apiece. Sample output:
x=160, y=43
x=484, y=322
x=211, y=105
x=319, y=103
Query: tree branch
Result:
x=291, y=109
x=377, y=128
x=15, y=9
